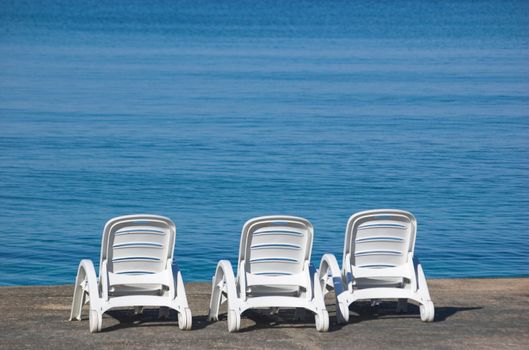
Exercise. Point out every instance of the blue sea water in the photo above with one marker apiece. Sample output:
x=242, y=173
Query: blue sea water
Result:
x=214, y=112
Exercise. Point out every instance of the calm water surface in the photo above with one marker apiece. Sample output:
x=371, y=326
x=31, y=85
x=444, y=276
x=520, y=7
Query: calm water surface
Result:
x=214, y=113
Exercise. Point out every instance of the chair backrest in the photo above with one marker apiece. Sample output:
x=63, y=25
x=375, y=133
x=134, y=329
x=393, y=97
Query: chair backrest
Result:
x=379, y=238
x=138, y=244
x=275, y=245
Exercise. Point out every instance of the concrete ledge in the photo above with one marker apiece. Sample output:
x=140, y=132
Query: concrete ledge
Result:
x=470, y=313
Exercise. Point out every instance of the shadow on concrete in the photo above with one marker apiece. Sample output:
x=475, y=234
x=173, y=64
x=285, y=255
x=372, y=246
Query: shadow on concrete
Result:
x=200, y=322
x=364, y=312
x=149, y=318
x=443, y=312
x=283, y=319
x=359, y=312
x=261, y=318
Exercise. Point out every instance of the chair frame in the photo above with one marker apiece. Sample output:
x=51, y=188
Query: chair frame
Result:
x=343, y=281
x=95, y=291
x=233, y=289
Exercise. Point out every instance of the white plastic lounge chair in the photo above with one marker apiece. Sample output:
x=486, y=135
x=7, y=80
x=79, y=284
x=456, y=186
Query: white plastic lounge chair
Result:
x=274, y=271
x=378, y=264
x=136, y=270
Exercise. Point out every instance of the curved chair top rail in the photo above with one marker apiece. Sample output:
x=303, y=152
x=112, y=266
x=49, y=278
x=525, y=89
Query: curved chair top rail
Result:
x=275, y=245
x=134, y=240
x=379, y=238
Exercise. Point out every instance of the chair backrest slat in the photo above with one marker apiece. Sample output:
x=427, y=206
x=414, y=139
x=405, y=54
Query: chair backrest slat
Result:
x=138, y=245
x=275, y=245
x=379, y=238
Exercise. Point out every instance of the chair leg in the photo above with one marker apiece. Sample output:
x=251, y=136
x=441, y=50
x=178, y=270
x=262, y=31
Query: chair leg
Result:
x=300, y=314
x=163, y=313
x=224, y=282
x=86, y=288
x=402, y=305
x=330, y=278
x=78, y=297
x=322, y=315
x=214, y=304
x=427, y=307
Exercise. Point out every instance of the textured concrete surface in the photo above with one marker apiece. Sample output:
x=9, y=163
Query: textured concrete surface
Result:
x=470, y=313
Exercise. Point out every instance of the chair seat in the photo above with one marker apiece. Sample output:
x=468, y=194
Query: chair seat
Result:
x=257, y=291
x=144, y=289
x=361, y=283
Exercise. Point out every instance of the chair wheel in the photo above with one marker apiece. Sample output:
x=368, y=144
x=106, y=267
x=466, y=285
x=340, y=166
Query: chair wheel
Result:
x=427, y=311
x=322, y=321
x=234, y=321
x=96, y=321
x=185, y=319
